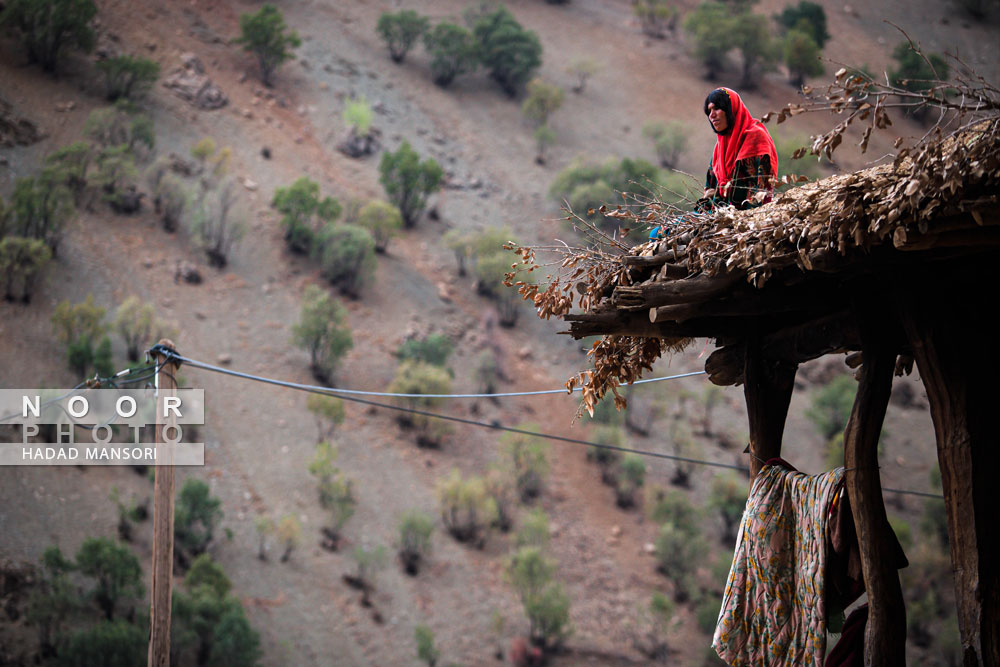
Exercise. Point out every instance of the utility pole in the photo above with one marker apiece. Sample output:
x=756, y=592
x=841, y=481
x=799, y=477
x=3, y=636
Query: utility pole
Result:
x=163, y=513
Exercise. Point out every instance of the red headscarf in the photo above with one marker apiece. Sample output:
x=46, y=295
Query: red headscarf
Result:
x=747, y=137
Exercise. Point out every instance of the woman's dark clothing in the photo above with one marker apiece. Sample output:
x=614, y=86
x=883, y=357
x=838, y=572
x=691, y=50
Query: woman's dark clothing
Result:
x=749, y=177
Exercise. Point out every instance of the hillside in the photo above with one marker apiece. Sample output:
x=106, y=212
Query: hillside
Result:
x=260, y=439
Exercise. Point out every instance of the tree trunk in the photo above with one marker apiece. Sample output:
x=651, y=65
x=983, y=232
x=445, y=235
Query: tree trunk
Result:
x=767, y=388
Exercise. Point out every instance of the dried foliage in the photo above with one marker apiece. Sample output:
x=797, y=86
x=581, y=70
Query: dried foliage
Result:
x=940, y=184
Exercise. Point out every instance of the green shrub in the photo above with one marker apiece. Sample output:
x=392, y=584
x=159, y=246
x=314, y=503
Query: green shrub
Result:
x=119, y=125
x=453, y=52
x=526, y=458
x=116, y=571
x=358, y=116
x=582, y=69
x=54, y=599
x=587, y=186
x=534, y=530
x=433, y=349
x=217, y=224
x=128, y=77
x=631, y=477
x=136, y=322
x=196, y=515
x=831, y=406
x=47, y=27
x=751, y=35
x=289, y=535
x=346, y=255
x=708, y=27
x=400, y=31
x=109, y=644
x=329, y=414
x=415, y=528
x=303, y=212
x=656, y=17
x=605, y=457
x=808, y=17
x=500, y=488
x=707, y=614
x=548, y=617
x=418, y=377
x=728, y=498
x=678, y=552
x=919, y=73
x=39, y=209
x=426, y=651
x=68, y=166
x=382, y=220
x=543, y=100
x=78, y=327
x=507, y=50
x=801, y=55
x=336, y=492
x=367, y=562
x=322, y=331
x=467, y=510
x=670, y=139
x=544, y=136
x=21, y=263
x=408, y=181
x=487, y=372
x=263, y=35
x=649, y=635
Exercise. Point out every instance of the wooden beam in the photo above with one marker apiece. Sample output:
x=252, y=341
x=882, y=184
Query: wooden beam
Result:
x=940, y=326
x=660, y=261
x=163, y=519
x=885, y=634
x=662, y=293
x=768, y=391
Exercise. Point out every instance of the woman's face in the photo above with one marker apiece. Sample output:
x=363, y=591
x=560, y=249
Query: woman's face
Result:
x=717, y=117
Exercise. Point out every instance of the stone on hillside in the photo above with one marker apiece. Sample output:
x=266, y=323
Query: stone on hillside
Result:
x=354, y=145
x=190, y=83
x=16, y=130
x=188, y=272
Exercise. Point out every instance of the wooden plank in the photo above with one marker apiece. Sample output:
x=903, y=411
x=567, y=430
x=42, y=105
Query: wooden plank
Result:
x=961, y=395
x=687, y=290
x=768, y=392
x=885, y=634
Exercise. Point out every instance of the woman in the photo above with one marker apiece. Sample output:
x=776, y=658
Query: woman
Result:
x=745, y=160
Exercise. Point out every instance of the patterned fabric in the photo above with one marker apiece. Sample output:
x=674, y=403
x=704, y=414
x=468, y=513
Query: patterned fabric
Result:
x=749, y=176
x=773, y=611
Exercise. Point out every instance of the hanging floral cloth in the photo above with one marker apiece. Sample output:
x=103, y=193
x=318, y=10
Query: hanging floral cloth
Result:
x=774, y=608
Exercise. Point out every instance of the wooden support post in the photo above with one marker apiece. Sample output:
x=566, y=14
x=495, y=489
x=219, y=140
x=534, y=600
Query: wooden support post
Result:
x=767, y=387
x=961, y=392
x=885, y=635
x=163, y=520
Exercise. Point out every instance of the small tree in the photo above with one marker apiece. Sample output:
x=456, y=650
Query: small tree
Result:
x=670, y=139
x=346, y=254
x=78, y=327
x=667, y=505
x=418, y=377
x=329, y=414
x=649, y=634
x=606, y=457
x=656, y=17
x=116, y=570
x=678, y=552
x=751, y=34
x=527, y=460
x=121, y=125
x=631, y=477
x=136, y=322
x=303, y=212
x=49, y=26
x=500, y=488
x=382, y=220
x=467, y=510
x=196, y=514
x=400, y=31
x=543, y=100
x=289, y=535
x=808, y=17
x=831, y=406
x=336, y=492
x=460, y=243
x=408, y=181
x=708, y=26
x=582, y=69
x=21, y=263
x=801, y=55
x=433, y=349
x=487, y=372
x=321, y=330
x=217, y=224
x=263, y=34
x=917, y=72
x=128, y=77
x=415, y=529
x=264, y=525
x=69, y=166
x=544, y=137
x=728, y=498
x=367, y=562
x=507, y=50
x=40, y=207
x=453, y=52
x=545, y=602
x=426, y=651
x=170, y=200
x=116, y=176
x=53, y=600
x=534, y=530
x=108, y=643
x=358, y=116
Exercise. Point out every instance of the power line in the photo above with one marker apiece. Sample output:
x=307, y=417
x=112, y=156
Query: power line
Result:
x=330, y=391
x=386, y=394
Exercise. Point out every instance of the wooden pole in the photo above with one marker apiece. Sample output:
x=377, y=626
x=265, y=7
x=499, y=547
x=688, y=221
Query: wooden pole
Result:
x=885, y=634
x=961, y=393
x=163, y=519
x=767, y=388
